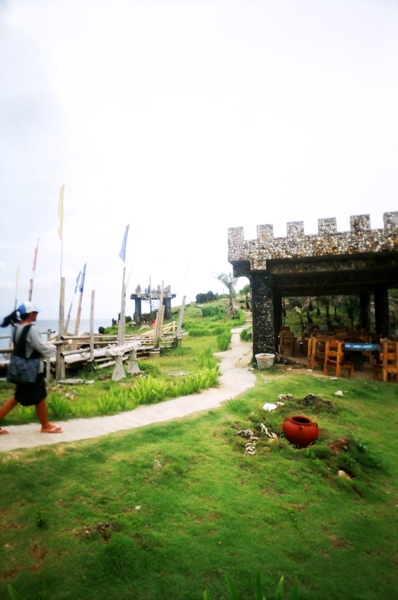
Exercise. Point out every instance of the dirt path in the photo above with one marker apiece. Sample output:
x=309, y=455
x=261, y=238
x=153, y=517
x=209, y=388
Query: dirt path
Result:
x=236, y=377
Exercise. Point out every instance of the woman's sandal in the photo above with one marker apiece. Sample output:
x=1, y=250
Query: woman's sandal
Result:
x=54, y=429
x=3, y=431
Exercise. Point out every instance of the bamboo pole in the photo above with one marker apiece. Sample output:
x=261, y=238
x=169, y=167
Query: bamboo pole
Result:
x=122, y=320
x=61, y=308
x=92, y=325
x=16, y=288
x=70, y=312
x=79, y=314
x=30, y=289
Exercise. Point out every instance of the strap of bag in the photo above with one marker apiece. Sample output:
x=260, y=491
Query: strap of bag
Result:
x=20, y=344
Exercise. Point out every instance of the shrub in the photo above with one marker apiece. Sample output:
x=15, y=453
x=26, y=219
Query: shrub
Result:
x=223, y=341
x=207, y=359
x=212, y=311
x=108, y=405
x=58, y=407
x=246, y=334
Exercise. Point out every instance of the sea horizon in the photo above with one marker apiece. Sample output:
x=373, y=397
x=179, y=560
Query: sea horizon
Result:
x=43, y=325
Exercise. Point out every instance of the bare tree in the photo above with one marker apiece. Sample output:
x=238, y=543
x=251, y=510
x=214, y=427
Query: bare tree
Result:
x=230, y=282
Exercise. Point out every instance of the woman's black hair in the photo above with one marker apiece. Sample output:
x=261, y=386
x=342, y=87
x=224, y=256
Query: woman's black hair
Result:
x=12, y=319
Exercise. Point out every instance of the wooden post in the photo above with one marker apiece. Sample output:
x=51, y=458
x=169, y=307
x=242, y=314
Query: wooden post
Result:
x=122, y=321
x=61, y=308
x=78, y=318
x=118, y=372
x=60, y=364
x=180, y=319
x=133, y=367
x=159, y=320
x=92, y=326
x=68, y=316
x=30, y=289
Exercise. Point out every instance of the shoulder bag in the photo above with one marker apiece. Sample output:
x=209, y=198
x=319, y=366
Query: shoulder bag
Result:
x=20, y=368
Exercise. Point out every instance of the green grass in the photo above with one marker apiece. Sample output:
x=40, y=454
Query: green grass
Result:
x=176, y=372
x=171, y=510
x=179, y=510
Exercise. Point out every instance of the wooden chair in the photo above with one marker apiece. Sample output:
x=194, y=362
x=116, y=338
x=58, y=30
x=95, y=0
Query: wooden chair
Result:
x=334, y=358
x=287, y=342
x=388, y=364
x=340, y=333
x=304, y=344
x=316, y=352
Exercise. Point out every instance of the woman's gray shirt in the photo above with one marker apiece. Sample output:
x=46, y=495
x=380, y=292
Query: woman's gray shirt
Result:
x=34, y=341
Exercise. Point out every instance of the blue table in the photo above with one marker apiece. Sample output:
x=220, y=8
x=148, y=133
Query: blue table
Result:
x=361, y=347
x=355, y=349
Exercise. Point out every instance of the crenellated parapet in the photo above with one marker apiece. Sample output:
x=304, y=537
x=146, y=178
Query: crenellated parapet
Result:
x=361, y=239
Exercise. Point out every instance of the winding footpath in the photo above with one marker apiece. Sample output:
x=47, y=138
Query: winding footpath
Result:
x=236, y=377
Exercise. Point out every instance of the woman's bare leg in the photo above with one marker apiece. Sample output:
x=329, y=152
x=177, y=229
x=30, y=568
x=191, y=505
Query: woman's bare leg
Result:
x=5, y=409
x=46, y=426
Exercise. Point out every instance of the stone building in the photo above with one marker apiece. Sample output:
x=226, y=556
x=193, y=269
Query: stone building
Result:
x=362, y=261
x=153, y=298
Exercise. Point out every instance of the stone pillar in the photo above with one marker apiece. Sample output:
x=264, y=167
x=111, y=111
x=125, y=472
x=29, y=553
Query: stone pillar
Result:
x=382, y=312
x=278, y=317
x=263, y=313
x=137, y=311
x=364, y=299
x=167, y=308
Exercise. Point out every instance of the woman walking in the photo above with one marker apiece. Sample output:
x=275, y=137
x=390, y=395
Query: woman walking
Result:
x=30, y=394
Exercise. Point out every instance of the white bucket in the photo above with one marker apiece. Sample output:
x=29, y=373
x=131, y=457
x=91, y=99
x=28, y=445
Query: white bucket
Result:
x=264, y=361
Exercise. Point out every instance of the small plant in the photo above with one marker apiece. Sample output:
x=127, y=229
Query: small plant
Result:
x=27, y=414
x=12, y=593
x=206, y=359
x=40, y=519
x=147, y=390
x=223, y=341
x=59, y=407
x=258, y=593
x=107, y=405
x=246, y=334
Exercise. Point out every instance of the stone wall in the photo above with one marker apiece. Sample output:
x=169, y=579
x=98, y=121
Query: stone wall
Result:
x=360, y=239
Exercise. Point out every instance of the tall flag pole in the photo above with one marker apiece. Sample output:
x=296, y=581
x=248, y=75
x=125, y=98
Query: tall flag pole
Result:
x=33, y=271
x=60, y=235
x=15, y=298
x=71, y=304
x=16, y=288
x=79, y=308
x=61, y=219
x=122, y=321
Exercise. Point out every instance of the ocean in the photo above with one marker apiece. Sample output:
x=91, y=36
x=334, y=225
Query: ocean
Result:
x=44, y=324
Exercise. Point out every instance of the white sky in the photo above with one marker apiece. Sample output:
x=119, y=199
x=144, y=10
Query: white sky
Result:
x=182, y=119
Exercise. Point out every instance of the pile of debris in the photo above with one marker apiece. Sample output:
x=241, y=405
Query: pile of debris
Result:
x=312, y=401
x=250, y=446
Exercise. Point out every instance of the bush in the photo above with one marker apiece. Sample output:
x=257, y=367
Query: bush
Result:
x=212, y=311
x=223, y=341
x=246, y=334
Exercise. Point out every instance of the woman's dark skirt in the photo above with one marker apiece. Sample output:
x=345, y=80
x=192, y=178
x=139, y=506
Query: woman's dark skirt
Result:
x=30, y=394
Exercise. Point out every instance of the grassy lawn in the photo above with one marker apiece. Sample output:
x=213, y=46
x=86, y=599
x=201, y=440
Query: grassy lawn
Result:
x=176, y=372
x=167, y=511
x=171, y=510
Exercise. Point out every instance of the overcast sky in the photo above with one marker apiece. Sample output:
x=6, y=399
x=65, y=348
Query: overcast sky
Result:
x=183, y=118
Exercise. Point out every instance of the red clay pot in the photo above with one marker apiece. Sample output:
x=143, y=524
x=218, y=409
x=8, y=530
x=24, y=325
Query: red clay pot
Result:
x=300, y=431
